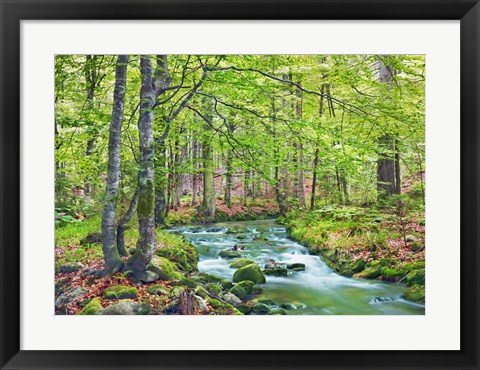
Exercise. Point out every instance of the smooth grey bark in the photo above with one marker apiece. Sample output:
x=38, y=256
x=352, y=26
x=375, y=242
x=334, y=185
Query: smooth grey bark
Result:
x=138, y=262
x=160, y=184
x=208, y=204
x=229, y=171
x=113, y=262
x=132, y=208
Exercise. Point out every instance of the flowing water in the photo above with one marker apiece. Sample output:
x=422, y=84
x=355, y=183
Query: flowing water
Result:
x=316, y=291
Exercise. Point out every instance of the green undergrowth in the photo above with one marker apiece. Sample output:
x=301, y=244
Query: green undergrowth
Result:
x=365, y=242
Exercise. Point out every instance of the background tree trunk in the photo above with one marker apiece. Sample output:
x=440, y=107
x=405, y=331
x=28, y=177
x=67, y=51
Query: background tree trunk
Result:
x=113, y=262
x=123, y=223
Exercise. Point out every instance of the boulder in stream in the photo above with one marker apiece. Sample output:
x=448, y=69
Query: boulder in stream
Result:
x=241, y=262
x=242, y=289
x=276, y=271
x=250, y=272
x=228, y=253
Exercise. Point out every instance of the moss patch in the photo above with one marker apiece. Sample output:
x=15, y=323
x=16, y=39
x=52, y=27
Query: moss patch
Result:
x=120, y=292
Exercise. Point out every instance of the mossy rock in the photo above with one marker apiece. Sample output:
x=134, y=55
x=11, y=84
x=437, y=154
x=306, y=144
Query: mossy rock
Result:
x=201, y=292
x=165, y=269
x=92, y=307
x=410, y=238
x=263, y=229
x=231, y=298
x=67, y=297
x=203, y=277
x=417, y=246
x=257, y=289
x=288, y=306
x=228, y=253
x=392, y=274
x=416, y=277
x=278, y=311
x=236, y=230
x=415, y=293
x=188, y=282
x=276, y=271
x=296, y=266
x=126, y=308
x=120, y=292
x=157, y=289
x=184, y=254
x=241, y=262
x=346, y=273
x=215, y=288
x=175, y=292
x=358, y=265
x=371, y=272
x=268, y=302
x=250, y=272
x=259, y=237
x=93, y=238
x=244, y=308
x=241, y=237
x=226, y=284
x=221, y=308
x=70, y=267
x=242, y=289
x=260, y=309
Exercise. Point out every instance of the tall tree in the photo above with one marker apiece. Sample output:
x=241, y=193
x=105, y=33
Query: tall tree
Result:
x=113, y=262
x=386, y=162
x=208, y=204
x=152, y=84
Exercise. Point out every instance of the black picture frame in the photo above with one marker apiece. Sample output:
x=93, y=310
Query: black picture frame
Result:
x=14, y=11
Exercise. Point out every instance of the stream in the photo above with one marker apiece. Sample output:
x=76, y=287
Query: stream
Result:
x=316, y=291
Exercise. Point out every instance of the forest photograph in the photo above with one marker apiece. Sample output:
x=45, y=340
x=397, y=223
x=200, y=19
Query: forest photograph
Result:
x=239, y=185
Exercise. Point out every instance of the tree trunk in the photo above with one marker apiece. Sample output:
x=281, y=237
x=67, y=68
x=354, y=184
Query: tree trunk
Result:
x=91, y=80
x=228, y=180
x=300, y=172
x=385, y=168
x=398, y=177
x=317, y=150
x=113, y=262
x=386, y=162
x=160, y=184
x=195, y=169
x=123, y=223
x=139, y=261
x=208, y=204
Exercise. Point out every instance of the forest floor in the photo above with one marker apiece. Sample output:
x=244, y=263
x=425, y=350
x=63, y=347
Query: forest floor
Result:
x=385, y=242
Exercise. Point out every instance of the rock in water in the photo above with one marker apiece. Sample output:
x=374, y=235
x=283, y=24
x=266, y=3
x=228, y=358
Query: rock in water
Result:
x=241, y=262
x=250, y=272
x=260, y=309
x=242, y=289
x=228, y=253
x=276, y=271
x=296, y=266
